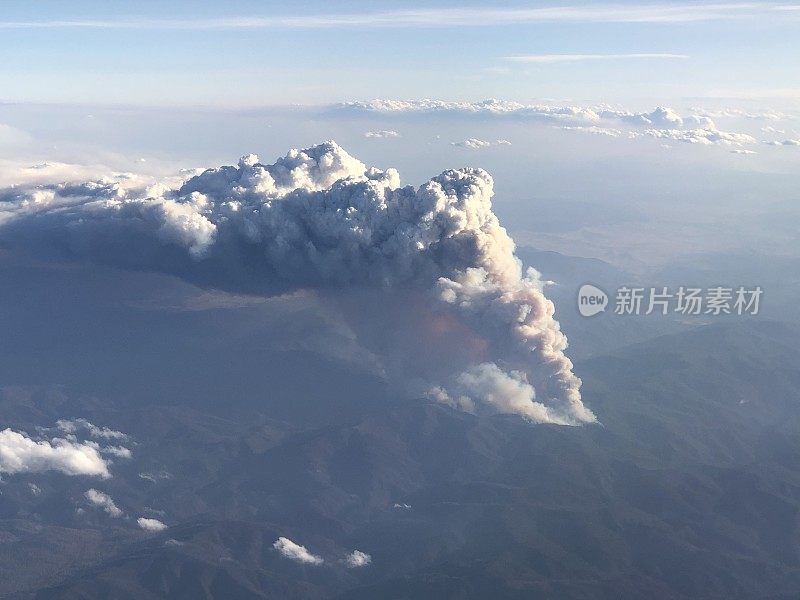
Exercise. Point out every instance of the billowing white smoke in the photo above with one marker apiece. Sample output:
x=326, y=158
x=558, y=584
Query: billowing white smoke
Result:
x=431, y=267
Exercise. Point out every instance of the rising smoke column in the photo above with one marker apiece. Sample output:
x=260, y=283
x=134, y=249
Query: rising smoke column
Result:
x=319, y=219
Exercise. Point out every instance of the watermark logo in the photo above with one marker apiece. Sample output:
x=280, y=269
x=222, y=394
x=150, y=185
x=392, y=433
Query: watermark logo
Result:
x=591, y=300
x=712, y=301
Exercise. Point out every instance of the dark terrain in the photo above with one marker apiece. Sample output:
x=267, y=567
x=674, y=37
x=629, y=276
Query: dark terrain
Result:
x=689, y=487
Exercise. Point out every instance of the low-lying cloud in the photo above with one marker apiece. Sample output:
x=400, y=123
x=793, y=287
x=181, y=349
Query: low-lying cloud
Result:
x=21, y=454
x=73, y=426
x=150, y=524
x=358, y=559
x=426, y=277
x=296, y=552
x=104, y=501
x=117, y=451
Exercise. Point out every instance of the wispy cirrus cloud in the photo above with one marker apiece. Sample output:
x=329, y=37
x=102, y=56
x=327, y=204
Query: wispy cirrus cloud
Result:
x=567, y=58
x=438, y=17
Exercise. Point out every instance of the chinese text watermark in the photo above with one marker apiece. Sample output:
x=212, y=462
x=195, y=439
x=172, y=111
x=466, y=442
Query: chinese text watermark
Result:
x=712, y=301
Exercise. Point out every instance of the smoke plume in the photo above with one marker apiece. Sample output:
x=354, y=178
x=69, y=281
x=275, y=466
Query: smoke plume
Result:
x=426, y=277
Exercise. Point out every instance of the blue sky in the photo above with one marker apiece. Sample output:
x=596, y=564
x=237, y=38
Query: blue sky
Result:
x=236, y=54
x=92, y=88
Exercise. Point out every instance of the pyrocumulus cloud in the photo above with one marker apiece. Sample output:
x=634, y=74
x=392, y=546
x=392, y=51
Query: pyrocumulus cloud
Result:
x=430, y=269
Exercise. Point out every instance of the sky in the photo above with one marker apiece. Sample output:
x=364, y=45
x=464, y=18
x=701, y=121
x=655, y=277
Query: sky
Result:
x=247, y=53
x=584, y=161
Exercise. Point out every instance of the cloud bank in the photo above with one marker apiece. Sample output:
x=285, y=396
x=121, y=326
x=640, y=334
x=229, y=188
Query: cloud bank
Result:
x=426, y=277
x=661, y=122
x=296, y=552
x=21, y=454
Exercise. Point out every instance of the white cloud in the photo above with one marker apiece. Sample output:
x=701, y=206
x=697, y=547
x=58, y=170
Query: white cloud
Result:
x=103, y=501
x=783, y=143
x=16, y=172
x=476, y=144
x=660, y=116
x=490, y=107
x=358, y=559
x=596, y=119
x=118, y=451
x=296, y=552
x=607, y=131
x=21, y=454
x=382, y=133
x=738, y=113
x=702, y=136
x=741, y=151
x=150, y=524
x=155, y=477
x=566, y=58
x=75, y=425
